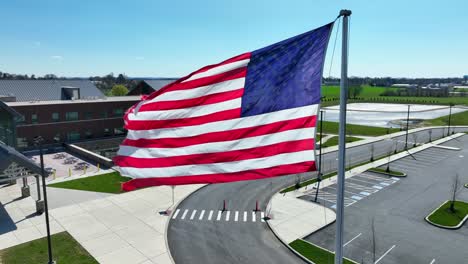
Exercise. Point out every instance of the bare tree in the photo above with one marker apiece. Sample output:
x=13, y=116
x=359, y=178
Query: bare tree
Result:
x=454, y=192
x=415, y=139
x=373, y=240
x=371, y=149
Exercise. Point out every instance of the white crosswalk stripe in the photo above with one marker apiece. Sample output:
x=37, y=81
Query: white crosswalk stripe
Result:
x=201, y=215
x=175, y=214
x=210, y=215
x=245, y=216
x=193, y=214
x=236, y=216
x=254, y=216
x=184, y=214
x=228, y=213
x=219, y=216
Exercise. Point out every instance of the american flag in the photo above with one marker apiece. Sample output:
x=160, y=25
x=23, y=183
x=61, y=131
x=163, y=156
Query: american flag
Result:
x=250, y=117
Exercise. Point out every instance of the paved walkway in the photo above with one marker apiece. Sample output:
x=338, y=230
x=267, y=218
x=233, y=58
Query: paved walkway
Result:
x=293, y=218
x=125, y=228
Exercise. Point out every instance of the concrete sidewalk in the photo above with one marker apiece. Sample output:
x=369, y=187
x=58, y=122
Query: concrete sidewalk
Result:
x=293, y=218
x=125, y=228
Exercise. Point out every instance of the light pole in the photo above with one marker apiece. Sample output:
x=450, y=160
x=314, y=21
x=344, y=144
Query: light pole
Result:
x=450, y=117
x=38, y=141
x=319, y=176
x=407, y=128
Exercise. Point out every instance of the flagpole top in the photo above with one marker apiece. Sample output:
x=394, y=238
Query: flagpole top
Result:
x=345, y=12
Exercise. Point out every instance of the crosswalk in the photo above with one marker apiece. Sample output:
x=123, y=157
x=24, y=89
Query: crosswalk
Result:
x=357, y=188
x=219, y=215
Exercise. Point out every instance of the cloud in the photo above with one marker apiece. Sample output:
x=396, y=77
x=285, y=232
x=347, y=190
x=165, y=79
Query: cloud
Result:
x=139, y=58
x=56, y=57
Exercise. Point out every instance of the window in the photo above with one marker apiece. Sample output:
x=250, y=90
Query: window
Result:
x=22, y=142
x=55, y=117
x=89, y=115
x=20, y=120
x=106, y=132
x=34, y=119
x=119, y=131
x=73, y=136
x=71, y=116
x=118, y=112
x=104, y=114
x=57, y=138
x=89, y=134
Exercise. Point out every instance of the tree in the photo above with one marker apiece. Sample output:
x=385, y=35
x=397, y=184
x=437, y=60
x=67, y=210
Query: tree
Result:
x=121, y=79
x=119, y=90
x=354, y=91
x=454, y=193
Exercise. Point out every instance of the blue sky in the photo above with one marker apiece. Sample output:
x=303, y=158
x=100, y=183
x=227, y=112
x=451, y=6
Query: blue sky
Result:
x=398, y=38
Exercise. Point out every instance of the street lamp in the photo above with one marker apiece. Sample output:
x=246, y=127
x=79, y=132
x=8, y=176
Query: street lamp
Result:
x=38, y=142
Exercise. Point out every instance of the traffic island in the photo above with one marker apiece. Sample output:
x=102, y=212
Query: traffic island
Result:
x=466, y=185
x=65, y=250
x=389, y=172
x=315, y=253
x=445, y=217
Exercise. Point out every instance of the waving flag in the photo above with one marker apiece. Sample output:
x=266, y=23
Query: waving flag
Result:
x=250, y=117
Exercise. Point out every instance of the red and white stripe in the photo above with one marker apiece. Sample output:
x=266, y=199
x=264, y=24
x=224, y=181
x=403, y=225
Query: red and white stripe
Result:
x=191, y=132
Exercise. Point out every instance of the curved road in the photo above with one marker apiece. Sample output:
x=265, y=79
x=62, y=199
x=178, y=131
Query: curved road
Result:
x=203, y=241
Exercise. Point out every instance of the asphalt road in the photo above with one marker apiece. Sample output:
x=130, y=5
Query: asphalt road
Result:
x=203, y=241
x=398, y=211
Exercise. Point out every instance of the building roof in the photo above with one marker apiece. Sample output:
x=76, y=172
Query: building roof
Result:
x=82, y=101
x=9, y=110
x=29, y=90
x=151, y=85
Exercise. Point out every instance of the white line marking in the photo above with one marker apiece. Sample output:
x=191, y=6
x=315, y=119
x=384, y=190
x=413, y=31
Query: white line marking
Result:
x=219, y=216
x=236, y=216
x=433, y=261
x=253, y=217
x=210, y=215
x=365, y=193
x=175, y=214
x=396, y=179
x=262, y=215
x=201, y=215
x=184, y=214
x=384, y=183
x=193, y=214
x=227, y=215
x=377, y=187
x=245, y=216
x=333, y=206
x=355, y=197
x=386, y=252
x=352, y=239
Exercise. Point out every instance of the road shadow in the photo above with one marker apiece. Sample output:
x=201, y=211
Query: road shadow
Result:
x=6, y=223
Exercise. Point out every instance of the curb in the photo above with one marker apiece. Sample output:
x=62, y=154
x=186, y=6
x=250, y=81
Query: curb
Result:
x=388, y=173
x=166, y=240
x=442, y=226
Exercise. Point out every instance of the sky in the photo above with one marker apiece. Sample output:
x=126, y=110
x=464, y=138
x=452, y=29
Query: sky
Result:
x=156, y=38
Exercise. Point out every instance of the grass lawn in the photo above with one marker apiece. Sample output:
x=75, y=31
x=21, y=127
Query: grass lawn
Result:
x=65, y=250
x=106, y=183
x=396, y=173
x=444, y=216
x=332, y=128
x=315, y=254
x=456, y=119
x=334, y=141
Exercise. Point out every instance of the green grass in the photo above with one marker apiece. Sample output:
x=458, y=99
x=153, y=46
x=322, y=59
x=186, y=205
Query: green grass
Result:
x=65, y=251
x=457, y=119
x=106, y=183
x=466, y=185
x=308, y=182
x=334, y=141
x=396, y=173
x=315, y=254
x=444, y=216
x=332, y=128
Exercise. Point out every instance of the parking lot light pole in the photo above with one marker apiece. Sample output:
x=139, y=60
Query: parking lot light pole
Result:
x=450, y=117
x=407, y=128
x=38, y=140
x=319, y=176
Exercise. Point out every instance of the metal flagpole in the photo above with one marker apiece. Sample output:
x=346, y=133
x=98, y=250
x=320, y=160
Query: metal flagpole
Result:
x=342, y=140
x=319, y=176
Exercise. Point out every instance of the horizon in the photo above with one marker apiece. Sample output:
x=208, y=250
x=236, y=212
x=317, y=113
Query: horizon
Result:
x=141, y=40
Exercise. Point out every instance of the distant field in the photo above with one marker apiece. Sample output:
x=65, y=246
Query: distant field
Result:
x=332, y=128
x=457, y=119
x=373, y=94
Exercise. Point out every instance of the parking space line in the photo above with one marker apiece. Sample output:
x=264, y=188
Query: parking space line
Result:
x=345, y=190
x=386, y=252
x=253, y=217
x=219, y=216
x=395, y=178
x=433, y=261
x=368, y=182
x=374, y=177
x=236, y=216
x=175, y=214
x=210, y=215
x=201, y=215
x=355, y=197
x=184, y=214
x=385, y=183
x=365, y=193
x=378, y=187
x=193, y=214
x=352, y=239
x=227, y=215
x=245, y=216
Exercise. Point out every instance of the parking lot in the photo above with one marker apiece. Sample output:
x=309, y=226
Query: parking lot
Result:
x=393, y=215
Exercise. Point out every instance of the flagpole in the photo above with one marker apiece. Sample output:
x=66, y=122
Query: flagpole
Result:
x=342, y=140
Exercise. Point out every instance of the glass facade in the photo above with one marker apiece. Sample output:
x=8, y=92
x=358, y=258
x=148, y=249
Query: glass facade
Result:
x=71, y=116
x=55, y=117
x=7, y=129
